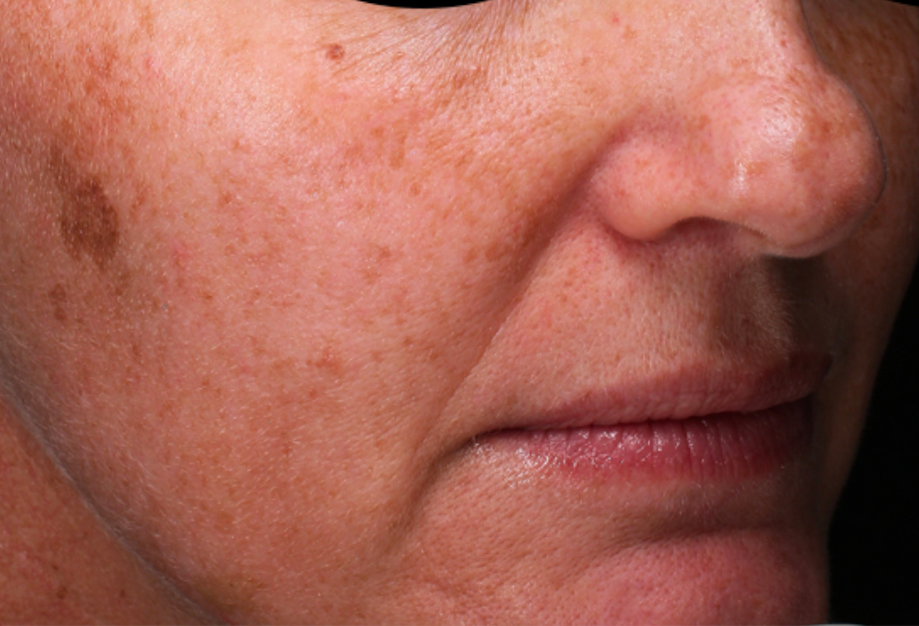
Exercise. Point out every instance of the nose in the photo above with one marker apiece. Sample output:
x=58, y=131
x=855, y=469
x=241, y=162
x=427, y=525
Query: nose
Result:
x=769, y=142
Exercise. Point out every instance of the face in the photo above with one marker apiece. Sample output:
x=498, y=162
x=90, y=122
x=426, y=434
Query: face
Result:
x=524, y=311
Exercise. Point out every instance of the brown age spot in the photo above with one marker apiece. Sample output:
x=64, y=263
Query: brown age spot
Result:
x=58, y=297
x=464, y=78
x=397, y=157
x=224, y=522
x=335, y=52
x=88, y=222
x=329, y=361
x=100, y=60
x=147, y=20
x=462, y=86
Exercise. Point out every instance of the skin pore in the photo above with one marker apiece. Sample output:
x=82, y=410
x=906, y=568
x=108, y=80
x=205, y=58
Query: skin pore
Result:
x=269, y=271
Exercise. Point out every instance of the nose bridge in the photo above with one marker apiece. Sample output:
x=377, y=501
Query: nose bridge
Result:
x=757, y=133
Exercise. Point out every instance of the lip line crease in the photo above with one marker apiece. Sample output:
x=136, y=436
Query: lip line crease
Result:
x=686, y=392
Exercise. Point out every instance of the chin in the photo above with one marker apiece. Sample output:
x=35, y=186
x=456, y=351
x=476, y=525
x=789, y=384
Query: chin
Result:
x=746, y=577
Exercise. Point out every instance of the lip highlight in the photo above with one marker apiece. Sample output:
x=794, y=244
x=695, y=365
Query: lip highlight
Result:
x=704, y=449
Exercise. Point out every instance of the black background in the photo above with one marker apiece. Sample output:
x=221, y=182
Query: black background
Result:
x=874, y=540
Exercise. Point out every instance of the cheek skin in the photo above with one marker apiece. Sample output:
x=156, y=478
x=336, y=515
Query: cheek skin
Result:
x=285, y=292
x=879, y=60
x=49, y=568
x=148, y=286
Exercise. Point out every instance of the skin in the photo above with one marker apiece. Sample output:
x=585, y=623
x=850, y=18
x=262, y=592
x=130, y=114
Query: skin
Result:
x=267, y=269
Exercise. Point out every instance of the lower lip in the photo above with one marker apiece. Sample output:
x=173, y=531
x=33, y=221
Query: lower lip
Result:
x=713, y=448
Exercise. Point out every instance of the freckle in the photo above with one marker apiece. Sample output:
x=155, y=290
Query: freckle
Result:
x=147, y=20
x=414, y=189
x=353, y=153
x=121, y=283
x=224, y=522
x=463, y=159
x=99, y=60
x=371, y=275
x=496, y=250
x=466, y=77
x=139, y=201
x=397, y=158
x=329, y=361
x=58, y=297
x=701, y=122
x=335, y=52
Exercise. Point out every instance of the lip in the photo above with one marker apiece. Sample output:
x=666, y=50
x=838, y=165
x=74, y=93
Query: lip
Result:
x=694, y=390
x=705, y=424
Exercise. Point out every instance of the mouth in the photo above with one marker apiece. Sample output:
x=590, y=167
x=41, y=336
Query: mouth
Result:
x=698, y=423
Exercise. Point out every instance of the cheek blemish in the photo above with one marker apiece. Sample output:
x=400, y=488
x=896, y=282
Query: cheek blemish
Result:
x=88, y=222
x=335, y=52
x=58, y=297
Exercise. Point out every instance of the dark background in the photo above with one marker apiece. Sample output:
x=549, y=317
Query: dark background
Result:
x=874, y=540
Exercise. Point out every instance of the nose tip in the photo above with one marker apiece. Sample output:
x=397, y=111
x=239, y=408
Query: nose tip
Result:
x=806, y=169
x=792, y=161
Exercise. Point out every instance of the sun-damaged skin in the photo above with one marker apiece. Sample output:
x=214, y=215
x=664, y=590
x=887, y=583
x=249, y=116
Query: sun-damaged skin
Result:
x=271, y=272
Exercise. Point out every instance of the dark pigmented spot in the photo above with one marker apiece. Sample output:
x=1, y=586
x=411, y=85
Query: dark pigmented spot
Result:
x=88, y=222
x=58, y=297
x=147, y=20
x=335, y=52
x=329, y=361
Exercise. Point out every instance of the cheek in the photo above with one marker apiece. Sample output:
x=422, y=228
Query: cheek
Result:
x=874, y=46
x=252, y=338
x=224, y=380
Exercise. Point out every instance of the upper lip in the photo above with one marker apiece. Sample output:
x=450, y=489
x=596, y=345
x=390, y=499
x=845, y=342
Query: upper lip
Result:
x=689, y=391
